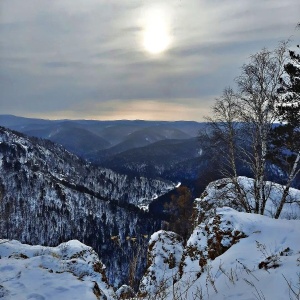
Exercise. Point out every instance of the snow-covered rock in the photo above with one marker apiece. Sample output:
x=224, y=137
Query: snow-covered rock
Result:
x=125, y=292
x=71, y=270
x=239, y=255
x=234, y=255
x=221, y=193
x=164, y=255
x=231, y=254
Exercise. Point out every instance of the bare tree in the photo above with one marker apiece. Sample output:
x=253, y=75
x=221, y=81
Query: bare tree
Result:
x=224, y=137
x=242, y=121
x=258, y=85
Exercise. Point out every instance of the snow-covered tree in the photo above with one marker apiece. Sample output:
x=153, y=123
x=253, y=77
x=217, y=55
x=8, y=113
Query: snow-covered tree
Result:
x=285, y=138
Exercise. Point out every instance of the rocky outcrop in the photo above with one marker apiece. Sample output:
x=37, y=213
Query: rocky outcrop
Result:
x=71, y=270
x=164, y=255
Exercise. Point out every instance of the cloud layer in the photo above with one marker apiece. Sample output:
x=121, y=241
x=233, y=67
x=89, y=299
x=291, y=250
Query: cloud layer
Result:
x=85, y=58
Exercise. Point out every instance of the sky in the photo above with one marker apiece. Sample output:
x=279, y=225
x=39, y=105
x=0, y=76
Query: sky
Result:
x=131, y=59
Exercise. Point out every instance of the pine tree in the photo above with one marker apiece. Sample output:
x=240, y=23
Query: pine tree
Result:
x=289, y=110
x=285, y=138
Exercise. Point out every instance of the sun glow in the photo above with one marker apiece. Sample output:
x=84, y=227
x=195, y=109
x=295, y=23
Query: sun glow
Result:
x=156, y=33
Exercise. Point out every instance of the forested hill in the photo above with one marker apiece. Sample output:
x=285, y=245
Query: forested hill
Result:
x=48, y=195
x=42, y=157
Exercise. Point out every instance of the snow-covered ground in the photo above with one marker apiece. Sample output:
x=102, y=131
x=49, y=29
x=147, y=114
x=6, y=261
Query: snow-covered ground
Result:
x=260, y=260
x=231, y=254
x=71, y=270
x=261, y=265
x=221, y=193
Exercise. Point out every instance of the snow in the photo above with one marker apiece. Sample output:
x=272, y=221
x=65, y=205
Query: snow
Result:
x=178, y=185
x=223, y=190
x=165, y=252
x=125, y=292
x=68, y=271
x=231, y=254
x=236, y=274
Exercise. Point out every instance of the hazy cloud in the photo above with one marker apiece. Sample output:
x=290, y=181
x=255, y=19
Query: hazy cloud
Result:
x=73, y=59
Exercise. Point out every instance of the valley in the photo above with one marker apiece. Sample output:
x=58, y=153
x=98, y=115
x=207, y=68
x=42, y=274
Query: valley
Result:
x=49, y=195
x=113, y=187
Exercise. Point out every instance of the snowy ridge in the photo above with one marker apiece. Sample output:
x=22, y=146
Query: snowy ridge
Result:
x=71, y=270
x=44, y=157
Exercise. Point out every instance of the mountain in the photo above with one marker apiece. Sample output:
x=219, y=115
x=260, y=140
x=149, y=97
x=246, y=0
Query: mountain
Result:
x=129, y=134
x=156, y=159
x=140, y=138
x=48, y=195
x=156, y=149
x=76, y=139
x=42, y=157
x=120, y=144
x=21, y=122
x=113, y=131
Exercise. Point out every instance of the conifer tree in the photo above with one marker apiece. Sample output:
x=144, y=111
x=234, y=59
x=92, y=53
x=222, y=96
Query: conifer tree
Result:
x=285, y=138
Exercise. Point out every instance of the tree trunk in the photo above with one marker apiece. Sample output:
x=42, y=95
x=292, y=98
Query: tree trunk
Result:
x=292, y=175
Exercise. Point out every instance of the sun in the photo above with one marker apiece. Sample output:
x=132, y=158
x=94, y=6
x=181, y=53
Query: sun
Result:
x=156, y=36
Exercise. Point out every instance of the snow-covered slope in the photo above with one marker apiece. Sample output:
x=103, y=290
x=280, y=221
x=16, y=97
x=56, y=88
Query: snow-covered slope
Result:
x=263, y=258
x=231, y=254
x=48, y=195
x=235, y=255
x=19, y=153
x=69, y=271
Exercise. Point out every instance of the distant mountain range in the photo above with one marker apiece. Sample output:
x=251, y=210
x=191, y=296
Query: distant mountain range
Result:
x=147, y=148
x=153, y=149
x=139, y=132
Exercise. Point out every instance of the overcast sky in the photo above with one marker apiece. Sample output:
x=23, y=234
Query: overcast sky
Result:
x=88, y=59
